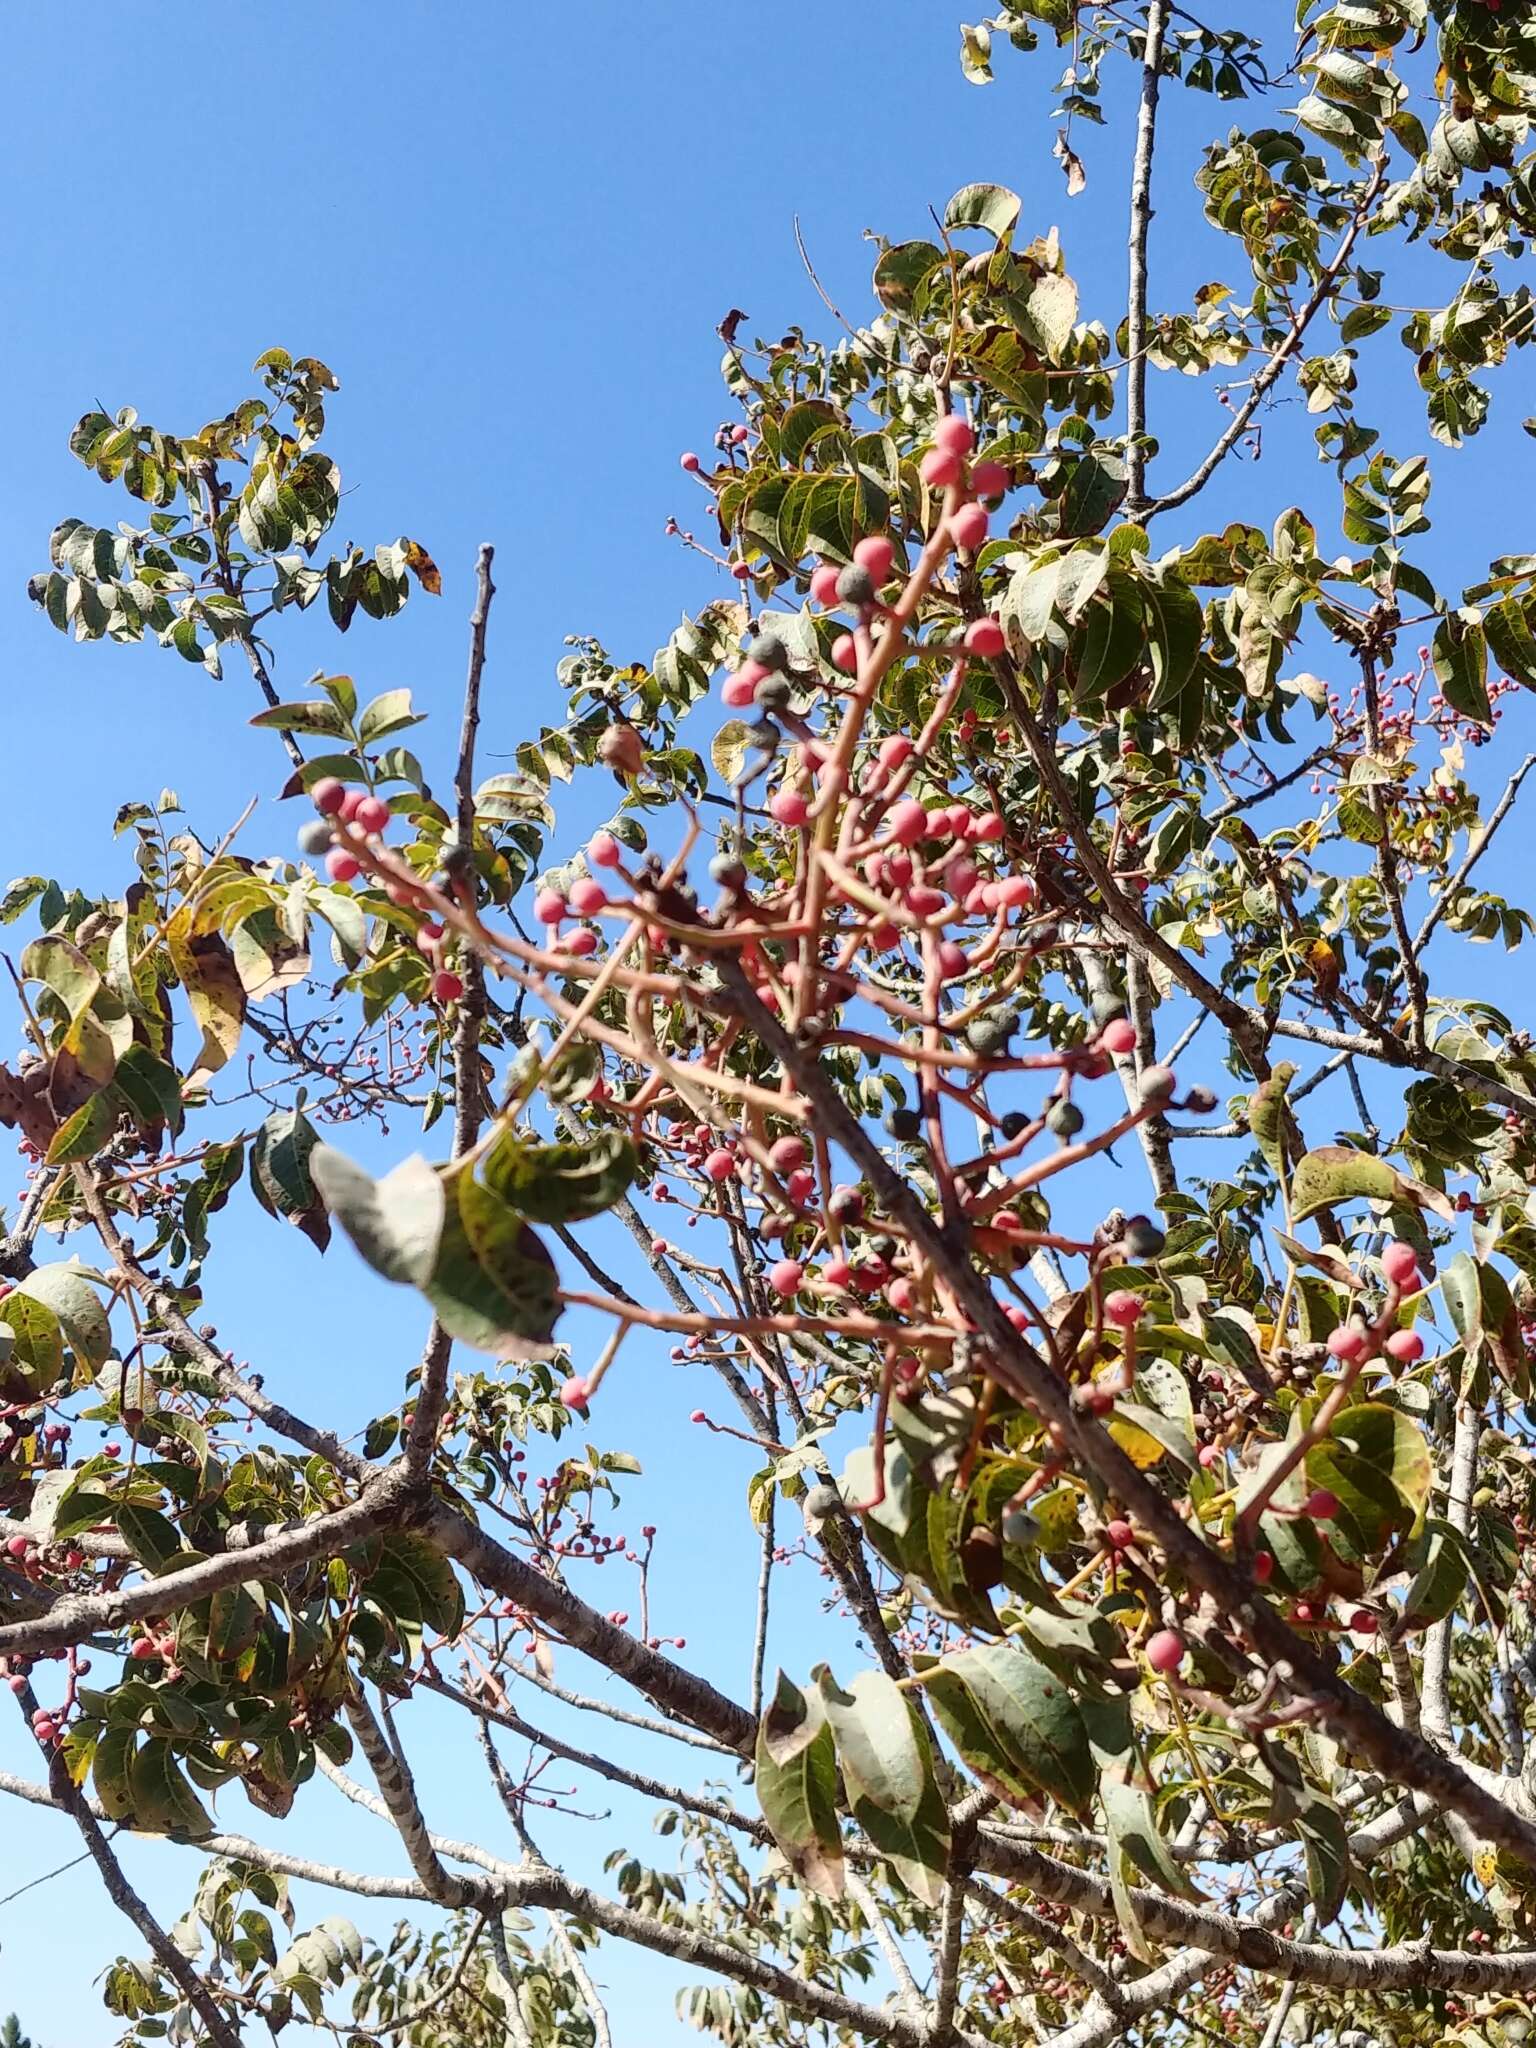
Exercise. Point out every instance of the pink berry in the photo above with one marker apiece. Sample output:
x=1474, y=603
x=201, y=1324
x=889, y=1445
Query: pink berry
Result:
x=789, y=807
x=691, y=463
x=954, y=961
x=940, y=468
x=800, y=1186
x=1118, y=1036
x=989, y=479
x=1165, y=1651
x=698, y=1415
x=583, y=942
x=44, y=1729
x=907, y=822
x=1124, y=1309
x=603, y=850
x=328, y=796
x=18, y=1546
x=876, y=554
x=340, y=865
x=1321, y=1505
x=739, y=434
x=785, y=1154
x=113, y=1450
x=549, y=906
x=1014, y=891
x=785, y=1277
x=895, y=752
x=349, y=804
x=845, y=653
x=954, y=435
x=373, y=814
x=969, y=526
x=838, y=1274
x=1400, y=1263
x=1346, y=1342
x=1209, y=1455
x=902, y=1295
x=446, y=986
x=987, y=828
x=984, y=637
x=1263, y=1568
x=573, y=1393
x=1119, y=1534
x=1406, y=1346
x=720, y=1165
x=738, y=691
x=824, y=586
x=588, y=897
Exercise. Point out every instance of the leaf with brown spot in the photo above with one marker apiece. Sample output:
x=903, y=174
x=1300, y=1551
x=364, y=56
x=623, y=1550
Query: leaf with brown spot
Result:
x=423, y=568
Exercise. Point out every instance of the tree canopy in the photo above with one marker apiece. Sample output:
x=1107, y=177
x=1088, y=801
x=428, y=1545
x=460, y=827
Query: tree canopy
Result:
x=987, y=819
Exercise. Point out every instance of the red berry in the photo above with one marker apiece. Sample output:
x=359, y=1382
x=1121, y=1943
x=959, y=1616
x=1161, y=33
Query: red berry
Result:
x=1363, y=1622
x=986, y=828
x=1346, y=1342
x=446, y=986
x=1124, y=1308
x=328, y=795
x=940, y=468
x=340, y=865
x=907, y=822
x=969, y=526
x=824, y=586
x=142, y=1648
x=1119, y=1534
x=1118, y=1036
x=953, y=961
x=785, y=1277
x=373, y=814
x=845, y=653
x=876, y=554
x=789, y=807
x=18, y=1546
x=895, y=752
x=1400, y=1263
x=954, y=435
x=588, y=897
x=698, y=1415
x=902, y=1295
x=785, y=1154
x=1263, y=1568
x=349, y=804
x=1321, y=1505
x=691, y=463
x=984, y=637
x=1406, y=1346
x=1165, y=1651
x=573, y=1393
x=603, y=850
x=549, y=906
x=989, y=479
x=44, y=1729
x=800, y=1186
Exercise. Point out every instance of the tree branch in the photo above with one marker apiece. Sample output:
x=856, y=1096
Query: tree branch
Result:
x=1141, y=222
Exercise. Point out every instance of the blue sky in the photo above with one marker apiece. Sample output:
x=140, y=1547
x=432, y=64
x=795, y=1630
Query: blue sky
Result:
x=511, y=230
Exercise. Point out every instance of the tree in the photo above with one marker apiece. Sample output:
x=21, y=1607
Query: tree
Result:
x=1186, y=1548
x=11, y=2035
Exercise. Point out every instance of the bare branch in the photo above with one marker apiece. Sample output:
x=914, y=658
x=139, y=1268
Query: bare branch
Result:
x=1141, y=222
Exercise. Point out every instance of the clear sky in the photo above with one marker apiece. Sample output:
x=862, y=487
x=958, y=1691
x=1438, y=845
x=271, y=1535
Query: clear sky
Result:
x=511, y=229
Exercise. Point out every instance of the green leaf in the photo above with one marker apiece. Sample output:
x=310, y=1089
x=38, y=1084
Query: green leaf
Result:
x=151, y=1089
x=439, y=1597
x=1136, y=1849
x=1014, y=1722
x=82, y=1135
x=796, y=1778
x=879, y=1743
x=567, y=1182
x=903, y=272
x=1337, y=1173
x=317, y=716
x=152, y=1537
x=72, y=1303
x=1110, y=641
x=1459, y=654
x=1507, y=627
x=387, y=714
x=396, y=1223
x=992, y=207
x=1376, y=1461
x=1094, y=493
x=1440, y=1577
x=163, y=1802
x=280, y=1176
x=112, y=1770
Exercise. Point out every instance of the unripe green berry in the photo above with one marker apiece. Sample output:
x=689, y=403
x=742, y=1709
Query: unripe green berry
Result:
x=1064, y=1118
x=315, y=837
x=855, y=585
x=1157, y=1084
x=769, y=651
